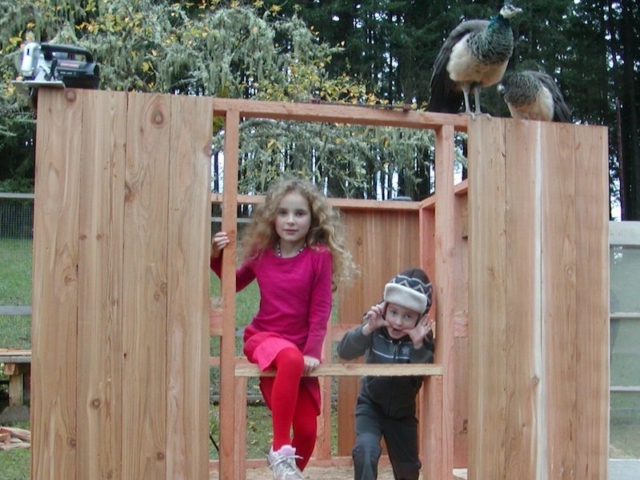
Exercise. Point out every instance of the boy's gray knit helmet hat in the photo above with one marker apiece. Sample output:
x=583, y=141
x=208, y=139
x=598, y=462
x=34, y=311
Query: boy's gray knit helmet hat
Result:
x=410, y=289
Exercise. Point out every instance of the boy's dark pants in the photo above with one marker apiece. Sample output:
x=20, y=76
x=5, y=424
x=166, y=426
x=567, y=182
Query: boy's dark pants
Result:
x=400, y=436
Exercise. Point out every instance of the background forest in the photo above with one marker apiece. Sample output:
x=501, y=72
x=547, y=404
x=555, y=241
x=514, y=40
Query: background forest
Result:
x=377, y=53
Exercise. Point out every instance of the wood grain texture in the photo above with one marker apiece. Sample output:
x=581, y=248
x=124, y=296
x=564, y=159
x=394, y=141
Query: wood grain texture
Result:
x=444, y=285
x=240, y=430
x=101, y=230
x=525, y=382
x=144, y=284
x=592, y=302
x=430, y=429
x=538, y=330
x=188, y=288
x=55, y=285
x=460, y=331
x=228, y=450
x=556, y=164
x=351, y=370
x=324, y=433
x=338, y=113
x=487, y=299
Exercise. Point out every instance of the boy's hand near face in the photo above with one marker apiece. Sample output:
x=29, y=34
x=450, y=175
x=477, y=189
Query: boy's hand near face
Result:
x=420, y=331
x=374, y=319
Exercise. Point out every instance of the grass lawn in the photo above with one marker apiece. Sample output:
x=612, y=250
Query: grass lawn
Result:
x=14, y=464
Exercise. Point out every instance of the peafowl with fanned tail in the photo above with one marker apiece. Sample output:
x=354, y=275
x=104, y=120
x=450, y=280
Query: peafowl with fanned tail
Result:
x=474, y=56
x=534, y=95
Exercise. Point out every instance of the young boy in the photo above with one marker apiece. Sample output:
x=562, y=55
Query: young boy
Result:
x=394, y=331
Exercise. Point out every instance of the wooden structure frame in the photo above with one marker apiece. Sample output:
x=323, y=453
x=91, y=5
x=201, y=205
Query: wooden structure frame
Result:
x=120, y=299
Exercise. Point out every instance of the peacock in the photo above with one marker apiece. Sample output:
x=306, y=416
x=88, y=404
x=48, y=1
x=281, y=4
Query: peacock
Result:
x=534, y=95
x=474, y=56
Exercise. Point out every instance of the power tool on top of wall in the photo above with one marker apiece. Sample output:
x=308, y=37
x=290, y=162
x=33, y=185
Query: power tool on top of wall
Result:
x=56, y=66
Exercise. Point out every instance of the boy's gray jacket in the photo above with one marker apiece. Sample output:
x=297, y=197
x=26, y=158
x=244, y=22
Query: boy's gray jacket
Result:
x=396, y=396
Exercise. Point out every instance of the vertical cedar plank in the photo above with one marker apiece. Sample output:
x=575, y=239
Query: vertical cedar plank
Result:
x=322, y=449
x=444, y=286
x=487, y=298
x=525, y=378
x=55, y=285
x=460, y=369
x=240, y=428
x=427, y=228
x=431, y=431
x=559, y=322
x=592, y=303
x=188, y=288
x=350, y=303
x=145, y=288
x=99, y=369
x=430, y=398
x=461, y=402
x=229, y=450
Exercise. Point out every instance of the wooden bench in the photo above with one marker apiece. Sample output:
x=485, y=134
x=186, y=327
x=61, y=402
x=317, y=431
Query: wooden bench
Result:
x=17, y=366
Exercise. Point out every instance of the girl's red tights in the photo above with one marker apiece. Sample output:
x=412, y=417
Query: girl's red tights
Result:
x=292, y=406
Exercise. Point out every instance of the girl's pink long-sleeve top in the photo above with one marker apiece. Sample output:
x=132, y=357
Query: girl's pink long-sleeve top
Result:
x=295, y=295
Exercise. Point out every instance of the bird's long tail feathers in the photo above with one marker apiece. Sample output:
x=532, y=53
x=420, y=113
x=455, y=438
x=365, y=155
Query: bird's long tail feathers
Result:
x=450, y=102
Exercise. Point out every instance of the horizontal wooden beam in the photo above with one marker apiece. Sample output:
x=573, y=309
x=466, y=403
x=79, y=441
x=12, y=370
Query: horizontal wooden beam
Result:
x=339, y=113
x=15, y=356
x=351, y=370
x=343, y=203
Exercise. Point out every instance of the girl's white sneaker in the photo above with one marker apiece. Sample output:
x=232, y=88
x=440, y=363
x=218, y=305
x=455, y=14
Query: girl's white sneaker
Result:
x=283, y=464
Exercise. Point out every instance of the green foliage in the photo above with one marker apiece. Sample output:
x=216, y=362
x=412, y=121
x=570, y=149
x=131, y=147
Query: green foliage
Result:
x=362, y=161
x=370, y=53
x=237, y=52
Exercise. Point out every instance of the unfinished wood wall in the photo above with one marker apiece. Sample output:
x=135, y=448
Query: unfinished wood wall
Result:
x=120, y=294
x=120, y=307
x=538, y=301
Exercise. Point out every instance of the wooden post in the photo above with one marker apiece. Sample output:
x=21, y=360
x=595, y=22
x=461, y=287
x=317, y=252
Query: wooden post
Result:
x=232, y=454
x=16, y=372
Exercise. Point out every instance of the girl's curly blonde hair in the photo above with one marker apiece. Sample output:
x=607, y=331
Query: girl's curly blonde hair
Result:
x=326, y=228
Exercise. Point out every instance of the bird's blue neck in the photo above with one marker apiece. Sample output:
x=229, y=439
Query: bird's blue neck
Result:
x=498, y=19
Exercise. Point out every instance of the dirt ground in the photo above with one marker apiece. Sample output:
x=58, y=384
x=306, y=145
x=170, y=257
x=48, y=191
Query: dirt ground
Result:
x=313, y=473
x=330, y=473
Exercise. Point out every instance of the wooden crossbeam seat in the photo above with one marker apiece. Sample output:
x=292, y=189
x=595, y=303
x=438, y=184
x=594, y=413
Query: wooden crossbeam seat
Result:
x=245, y=369
x=349, y=370
x=17, y=366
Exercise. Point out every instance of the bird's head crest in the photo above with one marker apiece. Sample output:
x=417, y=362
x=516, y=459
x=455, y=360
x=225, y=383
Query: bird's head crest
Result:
x=508, y=10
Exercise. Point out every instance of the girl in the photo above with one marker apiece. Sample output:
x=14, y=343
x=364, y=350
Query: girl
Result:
x=295, y=249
